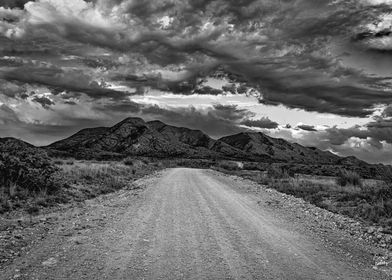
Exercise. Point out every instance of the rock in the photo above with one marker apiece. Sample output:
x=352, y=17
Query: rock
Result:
x=50, y=262
x=381, y=263
x=371, y=230
x=78, y=239
x=18, y=236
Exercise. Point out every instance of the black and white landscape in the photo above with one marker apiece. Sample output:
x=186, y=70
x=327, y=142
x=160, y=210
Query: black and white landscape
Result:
x=195, y=139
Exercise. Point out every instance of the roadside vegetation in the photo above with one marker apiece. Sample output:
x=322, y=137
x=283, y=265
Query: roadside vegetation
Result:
x=89, y=179
x=347, y=194
x=31, y=180
x=27, y=178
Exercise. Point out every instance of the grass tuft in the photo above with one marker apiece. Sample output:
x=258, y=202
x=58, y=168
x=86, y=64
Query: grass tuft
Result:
x=346, y=177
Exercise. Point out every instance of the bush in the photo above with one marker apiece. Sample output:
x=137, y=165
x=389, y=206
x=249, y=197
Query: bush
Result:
x=27, y=168
x=348, y=178
x=128, y=161
x=277, y=172
x=229, y=165
x=387, y=175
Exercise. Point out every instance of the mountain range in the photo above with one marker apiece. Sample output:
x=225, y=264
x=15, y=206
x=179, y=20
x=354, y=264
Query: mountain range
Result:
x=135, y=137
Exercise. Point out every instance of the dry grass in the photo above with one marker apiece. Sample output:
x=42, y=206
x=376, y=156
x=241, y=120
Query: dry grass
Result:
x=366, y=200
x=369, y=202
x=89, y=179
x=80, y=180
x=346, y=177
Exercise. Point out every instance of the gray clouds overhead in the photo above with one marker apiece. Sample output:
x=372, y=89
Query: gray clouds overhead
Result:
x=318, y=56
x=188, y=40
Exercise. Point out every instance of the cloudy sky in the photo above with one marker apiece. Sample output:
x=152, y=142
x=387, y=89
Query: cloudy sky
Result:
x=316, y=72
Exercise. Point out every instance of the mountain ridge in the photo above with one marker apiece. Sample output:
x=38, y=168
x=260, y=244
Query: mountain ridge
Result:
x=136, y=137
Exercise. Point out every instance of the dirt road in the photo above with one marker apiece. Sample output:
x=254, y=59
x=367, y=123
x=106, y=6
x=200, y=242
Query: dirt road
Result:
x=189, y=224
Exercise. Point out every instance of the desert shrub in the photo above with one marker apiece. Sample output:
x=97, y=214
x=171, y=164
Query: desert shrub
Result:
x=5, y=202
x=346, y=177
x=367, y=200
x=387, y=175
x=228, y=165
x=261, y=178
x=58, y=161
x=28, y=168
x=252, y=166
x=276, y=172
x=128, y=161
x=112, y=183
x=184, y=162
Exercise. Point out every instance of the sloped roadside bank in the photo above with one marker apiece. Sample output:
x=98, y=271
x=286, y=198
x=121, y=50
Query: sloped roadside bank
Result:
x=322, y=221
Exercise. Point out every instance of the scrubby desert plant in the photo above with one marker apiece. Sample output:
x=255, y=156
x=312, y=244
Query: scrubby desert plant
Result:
x=387, y=175
x=229, y=165
x=346, y=177
x=128, y=161
x=29, y=168
x=32, y=210
x=276, y=172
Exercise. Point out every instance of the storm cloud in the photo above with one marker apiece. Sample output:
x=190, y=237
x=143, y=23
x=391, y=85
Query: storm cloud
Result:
x=299, y=74
x=90, y=58
x=261, y=123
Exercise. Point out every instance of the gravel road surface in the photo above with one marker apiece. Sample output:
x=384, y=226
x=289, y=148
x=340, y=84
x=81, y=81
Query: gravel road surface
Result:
x=190, y=224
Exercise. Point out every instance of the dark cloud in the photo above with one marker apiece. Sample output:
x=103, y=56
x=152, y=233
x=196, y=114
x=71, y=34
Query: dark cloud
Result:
x=70, y=102
x=207, y=90
x=307, y=127
x=304, y=89
x=217, y=121
x=261, y=123
x=145, y=8
x=301, y=78
x=374, y=134
x=14, y=3
x=43, y=101
x=60, y=80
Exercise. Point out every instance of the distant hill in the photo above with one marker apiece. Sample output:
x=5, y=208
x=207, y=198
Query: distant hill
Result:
x=135, y=137
x=259, y=144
